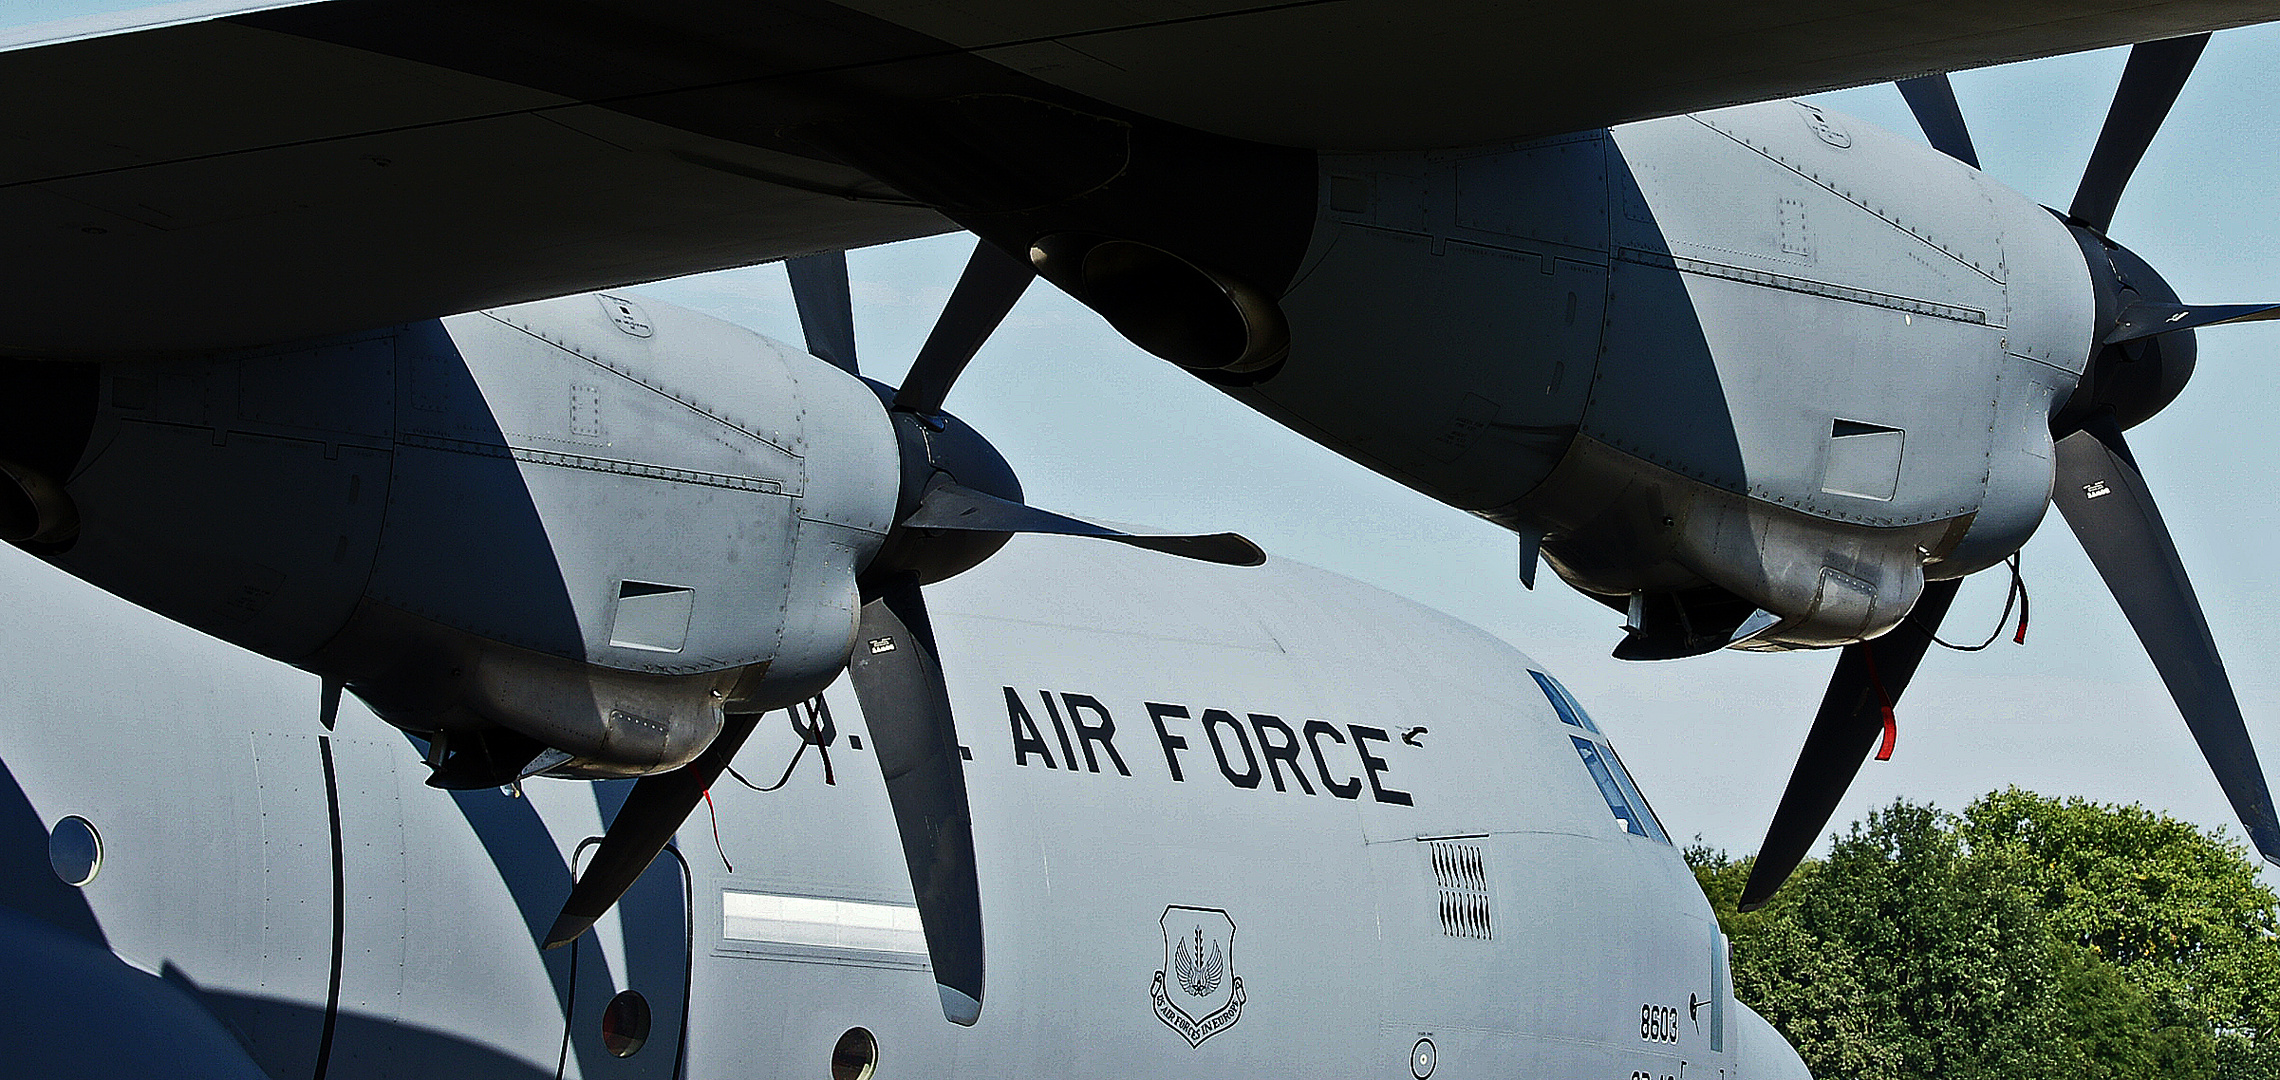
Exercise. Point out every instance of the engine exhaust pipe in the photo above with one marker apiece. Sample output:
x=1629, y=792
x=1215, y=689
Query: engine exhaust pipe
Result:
x=34, y=509
x=1193, y=317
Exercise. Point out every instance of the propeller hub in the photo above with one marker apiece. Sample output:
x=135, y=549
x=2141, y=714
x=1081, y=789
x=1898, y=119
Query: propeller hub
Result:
x=931, y=446
x=2135, y=379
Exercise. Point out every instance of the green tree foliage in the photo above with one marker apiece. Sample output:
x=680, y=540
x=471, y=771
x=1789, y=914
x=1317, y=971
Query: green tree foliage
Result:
x=2178, y=910
x=2028, y=937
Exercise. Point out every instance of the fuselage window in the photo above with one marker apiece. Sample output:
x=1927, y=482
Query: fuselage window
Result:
x=1623, y=798
x=1638, y=801
x=1617, y=801
x=1564, y=703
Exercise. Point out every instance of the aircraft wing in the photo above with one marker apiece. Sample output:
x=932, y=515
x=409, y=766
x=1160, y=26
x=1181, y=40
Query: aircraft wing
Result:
x=242, y=173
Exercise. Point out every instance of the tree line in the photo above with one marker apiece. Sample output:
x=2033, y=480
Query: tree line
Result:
x=2026, y=937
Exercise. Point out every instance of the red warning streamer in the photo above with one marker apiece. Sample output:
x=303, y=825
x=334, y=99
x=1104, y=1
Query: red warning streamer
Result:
x=1884, y=703
x=715, y=814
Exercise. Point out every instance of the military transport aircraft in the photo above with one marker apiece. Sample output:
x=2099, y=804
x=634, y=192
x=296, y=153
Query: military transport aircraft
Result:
x=1222, y=817
x=1760, y=378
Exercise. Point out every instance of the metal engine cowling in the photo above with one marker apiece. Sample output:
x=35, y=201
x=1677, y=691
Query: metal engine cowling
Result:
x=563, y=535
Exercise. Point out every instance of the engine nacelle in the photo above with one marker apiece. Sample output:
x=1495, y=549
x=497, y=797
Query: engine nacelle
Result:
x=1759, y=418
x=563, y=535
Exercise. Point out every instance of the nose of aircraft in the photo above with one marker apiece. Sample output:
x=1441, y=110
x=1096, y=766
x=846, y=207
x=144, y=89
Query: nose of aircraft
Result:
x=1760, y=1052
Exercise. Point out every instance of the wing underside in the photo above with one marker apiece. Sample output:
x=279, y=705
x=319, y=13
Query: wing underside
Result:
x=320, y=168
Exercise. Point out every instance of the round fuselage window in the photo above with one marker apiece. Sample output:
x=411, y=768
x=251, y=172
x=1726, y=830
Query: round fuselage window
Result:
x=856, y=1056
x=75, y=851
x=625, y=1023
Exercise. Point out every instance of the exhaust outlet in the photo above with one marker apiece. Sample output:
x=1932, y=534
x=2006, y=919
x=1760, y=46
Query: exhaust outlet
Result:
x=34, y=509
x=1193, y=317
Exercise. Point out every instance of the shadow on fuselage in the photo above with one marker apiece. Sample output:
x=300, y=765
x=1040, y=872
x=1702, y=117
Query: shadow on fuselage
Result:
x=27, y=882
x=284, y=1036
x=387, y=1046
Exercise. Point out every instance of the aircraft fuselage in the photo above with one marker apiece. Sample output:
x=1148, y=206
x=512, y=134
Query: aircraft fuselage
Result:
x=1286, y=824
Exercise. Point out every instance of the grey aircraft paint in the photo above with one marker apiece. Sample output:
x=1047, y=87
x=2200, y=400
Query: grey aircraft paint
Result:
x=448, y=519
x=1445, y=873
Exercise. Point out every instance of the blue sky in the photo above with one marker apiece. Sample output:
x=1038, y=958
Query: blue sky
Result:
x=1099, y=428
x=37, y=21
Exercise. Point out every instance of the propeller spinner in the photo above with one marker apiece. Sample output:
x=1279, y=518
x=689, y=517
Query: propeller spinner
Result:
x=959, y=503
x=2143, y=353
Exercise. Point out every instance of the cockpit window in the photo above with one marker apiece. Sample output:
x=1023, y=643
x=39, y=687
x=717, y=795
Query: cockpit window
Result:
x=1623, y=798
x=1618, y=800
x=1638, y=801
x=1564, y=703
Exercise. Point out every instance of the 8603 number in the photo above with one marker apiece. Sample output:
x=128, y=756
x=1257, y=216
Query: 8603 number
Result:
x=1658, y=1023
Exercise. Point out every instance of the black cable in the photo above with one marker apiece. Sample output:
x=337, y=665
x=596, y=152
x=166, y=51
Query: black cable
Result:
x=781, y=780
x=569, y=1013
x=809, y=736
x=2014, y=599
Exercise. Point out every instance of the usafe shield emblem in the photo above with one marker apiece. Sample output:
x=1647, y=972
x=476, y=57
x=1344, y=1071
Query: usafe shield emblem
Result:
x=1197, y=992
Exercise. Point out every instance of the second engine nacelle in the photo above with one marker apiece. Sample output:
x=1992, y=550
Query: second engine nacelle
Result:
x=1759, y=419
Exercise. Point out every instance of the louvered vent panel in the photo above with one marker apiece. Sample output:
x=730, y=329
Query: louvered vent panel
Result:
x=1460, y=870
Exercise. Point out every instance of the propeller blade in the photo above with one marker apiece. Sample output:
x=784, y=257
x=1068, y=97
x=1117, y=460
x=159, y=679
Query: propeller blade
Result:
x=1851, y=718
x=1932, y=99
x=991, y=284
x=652, y=813
x=827, y=311
x=2150, y=84
x=899, y=681
x=2146, y=319
x=947, y=504
x=2105, y=501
